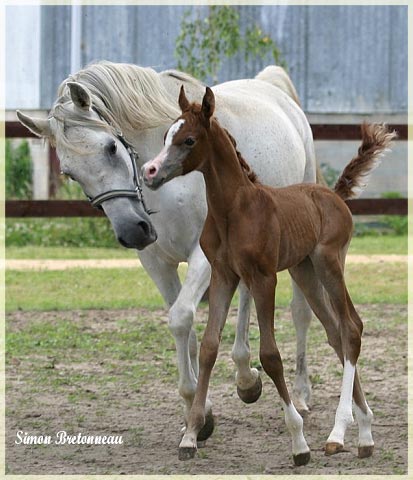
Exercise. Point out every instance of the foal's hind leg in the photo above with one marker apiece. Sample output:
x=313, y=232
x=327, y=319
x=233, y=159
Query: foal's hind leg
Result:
x=318, y=299
x=249, y=385
x=263, y=290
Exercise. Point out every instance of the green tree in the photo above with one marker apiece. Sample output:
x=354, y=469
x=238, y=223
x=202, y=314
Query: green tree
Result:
x=203, y=43
x=18, y=170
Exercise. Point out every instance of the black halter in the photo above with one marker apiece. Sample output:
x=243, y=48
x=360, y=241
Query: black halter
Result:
x=136, y=193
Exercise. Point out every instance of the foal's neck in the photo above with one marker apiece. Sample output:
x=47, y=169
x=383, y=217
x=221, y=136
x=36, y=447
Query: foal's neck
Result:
x=222, y=171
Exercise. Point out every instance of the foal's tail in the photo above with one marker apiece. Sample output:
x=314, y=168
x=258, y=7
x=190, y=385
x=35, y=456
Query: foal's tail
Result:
x=376, y=140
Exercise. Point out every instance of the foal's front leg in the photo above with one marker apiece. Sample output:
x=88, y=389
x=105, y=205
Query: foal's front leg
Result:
x=221, y=290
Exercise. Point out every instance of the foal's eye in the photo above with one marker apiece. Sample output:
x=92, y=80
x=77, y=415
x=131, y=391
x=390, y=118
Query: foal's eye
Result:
x=189, y=141
x=112, y=148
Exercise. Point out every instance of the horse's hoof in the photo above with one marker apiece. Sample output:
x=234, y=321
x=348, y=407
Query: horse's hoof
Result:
x=207, y=429
x=333, y=447
x=304, y=411
x=365, y=452
x=252, y=394
x=186, y=453
x=302, y=459
x=300, y=404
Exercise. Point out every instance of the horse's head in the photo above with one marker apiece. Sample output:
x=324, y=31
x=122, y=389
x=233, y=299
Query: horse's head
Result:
x=95, y=155
x=184, y=144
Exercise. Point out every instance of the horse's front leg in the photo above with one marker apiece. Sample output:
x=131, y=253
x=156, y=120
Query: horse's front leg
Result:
x=181, y=318
x=183, y=302
x=164, y=274
x=249, y=385
x=222, y=288
x=302, y=314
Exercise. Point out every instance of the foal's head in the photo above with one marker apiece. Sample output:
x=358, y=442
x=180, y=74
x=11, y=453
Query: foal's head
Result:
x=184, y=144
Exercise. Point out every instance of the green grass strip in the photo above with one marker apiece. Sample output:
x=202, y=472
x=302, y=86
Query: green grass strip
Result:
x=120, y=288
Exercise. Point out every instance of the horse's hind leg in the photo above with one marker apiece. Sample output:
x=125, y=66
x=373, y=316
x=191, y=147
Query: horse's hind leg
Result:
x=263, y=290
x=249, y=385
x=319, y=301
x=302, y=314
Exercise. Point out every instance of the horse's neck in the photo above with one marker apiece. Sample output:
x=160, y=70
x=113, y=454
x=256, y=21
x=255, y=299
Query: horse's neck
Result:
x=149, y=141
x=222, y=171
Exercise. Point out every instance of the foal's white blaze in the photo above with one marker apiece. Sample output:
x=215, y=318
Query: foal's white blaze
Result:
x=172, y=132
x=294, y=423
x=344, y=415
x=158, y=161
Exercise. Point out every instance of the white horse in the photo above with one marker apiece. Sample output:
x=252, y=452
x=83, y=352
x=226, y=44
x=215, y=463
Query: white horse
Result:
x=106, y=107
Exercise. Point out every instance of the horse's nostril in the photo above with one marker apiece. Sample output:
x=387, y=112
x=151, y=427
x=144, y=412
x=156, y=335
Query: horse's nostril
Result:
x=152, y=170
x=145, y=227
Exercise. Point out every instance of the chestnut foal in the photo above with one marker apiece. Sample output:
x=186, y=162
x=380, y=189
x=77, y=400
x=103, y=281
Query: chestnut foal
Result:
x=252, y=232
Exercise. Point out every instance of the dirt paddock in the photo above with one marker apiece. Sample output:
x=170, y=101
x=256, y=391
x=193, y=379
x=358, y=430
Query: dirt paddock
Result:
x=248, y=439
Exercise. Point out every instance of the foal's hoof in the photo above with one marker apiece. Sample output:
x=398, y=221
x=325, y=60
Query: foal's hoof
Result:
x=186, y=453
x=207, y=429
x=301, y=459
x=365, y=452
x=333, y=447
x=252, y=394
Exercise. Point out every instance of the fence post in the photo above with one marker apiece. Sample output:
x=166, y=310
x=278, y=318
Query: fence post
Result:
x=39, y=150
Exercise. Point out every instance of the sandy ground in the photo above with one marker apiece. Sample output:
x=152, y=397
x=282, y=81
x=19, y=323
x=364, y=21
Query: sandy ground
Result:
x=248, y=439
x=133, y=263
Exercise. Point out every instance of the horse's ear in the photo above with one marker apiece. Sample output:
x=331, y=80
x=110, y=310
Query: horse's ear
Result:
x=39, y=126
x=80, y=95
x=208, y=105
x=183, y=101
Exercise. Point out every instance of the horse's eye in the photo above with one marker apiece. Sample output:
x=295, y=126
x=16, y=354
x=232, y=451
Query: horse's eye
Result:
x=112, y=148
x=189, y=141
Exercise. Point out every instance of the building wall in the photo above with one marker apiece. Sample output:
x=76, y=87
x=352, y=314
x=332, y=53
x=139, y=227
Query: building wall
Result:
x=347, y=62
x=342, y=59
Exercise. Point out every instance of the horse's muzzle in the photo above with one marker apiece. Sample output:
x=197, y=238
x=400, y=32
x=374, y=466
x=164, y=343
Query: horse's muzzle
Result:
x=131, y=224
x=139, y=237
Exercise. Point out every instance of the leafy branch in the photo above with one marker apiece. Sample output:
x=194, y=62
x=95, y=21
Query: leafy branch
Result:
x=204, y=43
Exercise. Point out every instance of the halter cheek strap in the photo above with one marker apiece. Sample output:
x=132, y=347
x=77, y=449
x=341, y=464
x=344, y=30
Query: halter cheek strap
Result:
x=136, y=193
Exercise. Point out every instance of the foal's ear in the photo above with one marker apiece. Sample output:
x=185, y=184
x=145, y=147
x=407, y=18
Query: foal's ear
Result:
x=208, y=105
x=80, y=95
x=183, y=101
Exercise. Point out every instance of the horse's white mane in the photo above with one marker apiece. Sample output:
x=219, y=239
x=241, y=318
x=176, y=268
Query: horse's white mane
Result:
x=128, y=97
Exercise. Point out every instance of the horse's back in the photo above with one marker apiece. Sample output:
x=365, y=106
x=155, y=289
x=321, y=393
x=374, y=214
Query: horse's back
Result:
x=271, y=130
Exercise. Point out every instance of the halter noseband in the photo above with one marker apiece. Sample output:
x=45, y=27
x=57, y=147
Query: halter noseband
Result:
x=136, y=193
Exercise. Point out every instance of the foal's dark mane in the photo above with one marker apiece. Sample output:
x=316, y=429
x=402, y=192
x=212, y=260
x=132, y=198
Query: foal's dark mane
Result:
x=252, y=176
x=244, y=164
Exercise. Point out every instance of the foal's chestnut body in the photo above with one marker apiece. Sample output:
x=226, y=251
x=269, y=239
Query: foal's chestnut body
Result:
x=252, y=232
